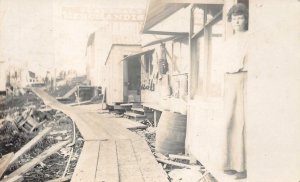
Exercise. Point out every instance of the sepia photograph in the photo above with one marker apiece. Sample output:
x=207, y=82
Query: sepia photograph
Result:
x=149, y=91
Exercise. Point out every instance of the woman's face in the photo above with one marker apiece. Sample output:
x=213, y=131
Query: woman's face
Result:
x=238, y=23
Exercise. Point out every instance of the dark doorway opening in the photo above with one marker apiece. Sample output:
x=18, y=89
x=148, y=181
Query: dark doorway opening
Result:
x=133, y=76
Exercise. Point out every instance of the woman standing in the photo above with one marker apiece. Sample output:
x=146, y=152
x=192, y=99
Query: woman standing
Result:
x=234, y=92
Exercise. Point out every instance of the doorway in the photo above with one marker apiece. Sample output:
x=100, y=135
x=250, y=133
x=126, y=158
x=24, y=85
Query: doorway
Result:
x=132, y=80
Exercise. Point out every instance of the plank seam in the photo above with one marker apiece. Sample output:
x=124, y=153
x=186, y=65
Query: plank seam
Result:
x=117, y=159
x=97, y=160
x=135, y=156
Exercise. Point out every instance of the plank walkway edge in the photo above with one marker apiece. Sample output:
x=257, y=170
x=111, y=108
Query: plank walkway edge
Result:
x=67, y=110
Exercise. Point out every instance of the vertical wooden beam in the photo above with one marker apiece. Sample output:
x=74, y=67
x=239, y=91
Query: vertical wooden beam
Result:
x=155, y=119
x=206, y=54
x=190, y=87
x=189, y=78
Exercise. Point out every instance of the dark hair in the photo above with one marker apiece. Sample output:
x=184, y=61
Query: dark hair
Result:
x=237, y=9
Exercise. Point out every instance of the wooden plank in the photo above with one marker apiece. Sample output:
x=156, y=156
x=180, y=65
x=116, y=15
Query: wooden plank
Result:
x=126, y=105
x=93, y=126
x=138, y=109
x=107, y=168
x=113, y=130
x=16, y=179
x=151, y=170
x=30, y=144
x=87, y=163
x=118, y=107
x=89, y=126
x=4, y=162
x=80, y=103
x=129, y=170
x=29, y=165
x=183, y=34
x=182, y=157
x=70, y=92
x=174, y=163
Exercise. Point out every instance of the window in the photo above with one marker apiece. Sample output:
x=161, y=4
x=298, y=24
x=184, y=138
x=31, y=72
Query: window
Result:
x=148, y=63
x=206, y=39
x=147, y=71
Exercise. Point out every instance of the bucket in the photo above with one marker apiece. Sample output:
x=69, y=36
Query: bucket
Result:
x=170, y=134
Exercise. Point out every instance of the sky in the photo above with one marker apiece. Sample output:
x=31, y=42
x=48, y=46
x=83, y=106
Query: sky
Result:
x=41, y=35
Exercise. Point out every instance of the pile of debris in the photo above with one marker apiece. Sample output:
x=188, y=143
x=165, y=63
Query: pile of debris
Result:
x=148, y=134
x=37, y=143
x=180, y=168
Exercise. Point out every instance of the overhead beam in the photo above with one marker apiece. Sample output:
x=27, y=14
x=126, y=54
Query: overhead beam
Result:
x=164, y=40
x=166, y=33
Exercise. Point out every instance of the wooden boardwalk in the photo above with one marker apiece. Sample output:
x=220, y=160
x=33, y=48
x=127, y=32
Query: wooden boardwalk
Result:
x=111, y=152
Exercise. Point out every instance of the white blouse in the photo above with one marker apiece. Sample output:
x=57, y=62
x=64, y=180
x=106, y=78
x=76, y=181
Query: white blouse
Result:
x=235, y=53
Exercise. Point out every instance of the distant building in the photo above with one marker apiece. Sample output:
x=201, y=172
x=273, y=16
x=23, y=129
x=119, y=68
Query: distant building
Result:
x=21, y=78
x=3, y=78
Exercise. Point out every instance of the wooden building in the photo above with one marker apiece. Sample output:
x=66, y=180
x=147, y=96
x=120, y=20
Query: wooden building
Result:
x=108, y=68
x=273, y=82
x=122, y=77
x=118, y=22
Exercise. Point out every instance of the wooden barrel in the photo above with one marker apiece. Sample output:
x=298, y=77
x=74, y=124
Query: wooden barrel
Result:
x=170, y=134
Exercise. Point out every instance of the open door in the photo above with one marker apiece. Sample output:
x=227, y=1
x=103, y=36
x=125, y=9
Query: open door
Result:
x=132, y=80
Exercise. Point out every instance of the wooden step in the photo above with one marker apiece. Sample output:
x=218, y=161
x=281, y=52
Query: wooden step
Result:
x=138, y=109
x=133, y=104
x=118, y=107
x=126, y=105
x=135, y=115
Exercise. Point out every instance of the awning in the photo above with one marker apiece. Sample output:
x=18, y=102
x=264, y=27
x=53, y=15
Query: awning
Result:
x=131, y=57
x=159, y=10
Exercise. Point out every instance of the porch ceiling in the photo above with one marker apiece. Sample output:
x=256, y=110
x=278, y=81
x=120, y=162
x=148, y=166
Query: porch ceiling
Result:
x=159, y=10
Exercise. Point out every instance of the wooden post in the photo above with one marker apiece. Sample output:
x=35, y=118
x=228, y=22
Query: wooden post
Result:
x=155, y=120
